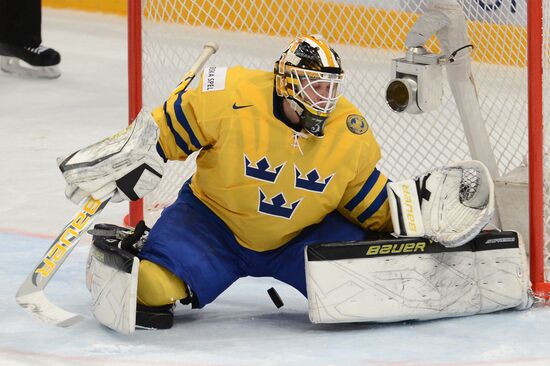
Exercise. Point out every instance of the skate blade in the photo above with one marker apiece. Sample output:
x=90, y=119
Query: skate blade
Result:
x=13, y=65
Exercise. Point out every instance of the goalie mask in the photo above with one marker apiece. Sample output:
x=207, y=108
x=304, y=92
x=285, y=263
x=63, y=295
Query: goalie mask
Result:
x=310, y=76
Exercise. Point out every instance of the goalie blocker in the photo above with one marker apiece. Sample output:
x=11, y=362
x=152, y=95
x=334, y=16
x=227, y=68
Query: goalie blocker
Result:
x=394, y=279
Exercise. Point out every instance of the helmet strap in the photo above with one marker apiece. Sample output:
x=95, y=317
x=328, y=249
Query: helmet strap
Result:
x=311, y=123
x=296, y=106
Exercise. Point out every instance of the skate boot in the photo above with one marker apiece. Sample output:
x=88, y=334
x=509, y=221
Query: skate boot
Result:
x=37, y=62
x=158, y=317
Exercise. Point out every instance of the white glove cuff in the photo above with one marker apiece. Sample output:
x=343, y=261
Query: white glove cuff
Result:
x=405, y=210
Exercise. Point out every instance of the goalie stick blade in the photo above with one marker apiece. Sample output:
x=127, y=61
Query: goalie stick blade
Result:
x=30, y=294
x=40, y=307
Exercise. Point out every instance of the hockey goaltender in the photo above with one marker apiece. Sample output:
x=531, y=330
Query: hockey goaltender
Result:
x=287, y=186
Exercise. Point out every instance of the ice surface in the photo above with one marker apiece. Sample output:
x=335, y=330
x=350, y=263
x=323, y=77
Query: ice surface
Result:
x=42, y=119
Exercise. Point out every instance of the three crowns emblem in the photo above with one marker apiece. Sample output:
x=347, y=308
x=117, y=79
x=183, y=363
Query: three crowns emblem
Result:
x=278, y=205
x=262, y=169
x=311, y=182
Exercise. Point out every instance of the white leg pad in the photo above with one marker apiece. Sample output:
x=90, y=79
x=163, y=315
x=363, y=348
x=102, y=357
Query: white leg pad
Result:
x=397, y=279
x=112, y=281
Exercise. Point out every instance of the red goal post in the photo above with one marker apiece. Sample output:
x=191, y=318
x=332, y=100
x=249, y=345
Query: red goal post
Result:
x=135, y=98
x=164, y=37
x=537, y=199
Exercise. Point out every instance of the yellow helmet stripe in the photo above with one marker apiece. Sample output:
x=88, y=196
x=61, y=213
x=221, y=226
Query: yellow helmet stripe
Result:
x=294, y=46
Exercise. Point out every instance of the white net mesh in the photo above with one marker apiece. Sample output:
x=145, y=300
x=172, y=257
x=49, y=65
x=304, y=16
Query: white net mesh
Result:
x=367, y=34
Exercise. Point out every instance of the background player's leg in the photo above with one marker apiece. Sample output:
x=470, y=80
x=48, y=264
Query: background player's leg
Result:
x=21, y=38
x=20, y=22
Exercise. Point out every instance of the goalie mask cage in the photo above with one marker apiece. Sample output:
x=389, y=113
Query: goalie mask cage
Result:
x=511, y=51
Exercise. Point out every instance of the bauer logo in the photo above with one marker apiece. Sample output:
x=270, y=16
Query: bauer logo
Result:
x=213, y=78
x=409, y=208
x=388, y=249
x=66, y=240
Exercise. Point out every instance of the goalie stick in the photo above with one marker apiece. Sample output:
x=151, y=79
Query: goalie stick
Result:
x=208, y=50
x=30, y=295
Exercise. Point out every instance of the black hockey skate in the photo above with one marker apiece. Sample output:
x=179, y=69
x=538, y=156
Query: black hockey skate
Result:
x=40, y=62
x=159, y=317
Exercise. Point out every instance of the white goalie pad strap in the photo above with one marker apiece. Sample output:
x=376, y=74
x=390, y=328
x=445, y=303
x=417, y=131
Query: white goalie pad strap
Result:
x=126, y=162
x=415, y=279
x=112, y=282
x=455, y=202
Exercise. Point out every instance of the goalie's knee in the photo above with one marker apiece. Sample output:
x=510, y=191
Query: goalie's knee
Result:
x=158, y=286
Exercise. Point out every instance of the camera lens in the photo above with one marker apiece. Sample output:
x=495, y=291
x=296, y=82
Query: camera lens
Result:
x=397, y=95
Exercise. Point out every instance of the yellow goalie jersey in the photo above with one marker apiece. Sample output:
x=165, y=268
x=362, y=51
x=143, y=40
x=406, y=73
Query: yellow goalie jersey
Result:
x=264, y=180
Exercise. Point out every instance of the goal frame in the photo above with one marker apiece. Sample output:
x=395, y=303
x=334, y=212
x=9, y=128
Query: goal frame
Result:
x=540, y=287
x=536, y=147
x=135, y=88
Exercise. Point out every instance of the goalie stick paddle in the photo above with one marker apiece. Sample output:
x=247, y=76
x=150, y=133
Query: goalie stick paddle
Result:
x=30, y=295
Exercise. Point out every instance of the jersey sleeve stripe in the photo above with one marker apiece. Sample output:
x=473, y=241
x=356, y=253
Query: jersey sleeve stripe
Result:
x=374, y=206
x=180, y=116
x=360, y=196
x=179, y=140
x=161, y=152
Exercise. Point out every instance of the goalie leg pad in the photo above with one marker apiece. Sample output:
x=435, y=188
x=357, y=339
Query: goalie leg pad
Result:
x=111, y=277
x=415, y=279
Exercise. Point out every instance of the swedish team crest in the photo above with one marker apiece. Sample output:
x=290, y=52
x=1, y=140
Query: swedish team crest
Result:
x=312, y=181
x=357, y=124
x=277, y=206
x=262, y=170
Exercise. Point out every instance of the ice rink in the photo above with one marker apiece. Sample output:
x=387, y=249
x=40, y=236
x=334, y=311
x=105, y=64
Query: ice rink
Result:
x=43, y=119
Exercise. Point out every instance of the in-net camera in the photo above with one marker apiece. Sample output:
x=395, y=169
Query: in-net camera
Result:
x=416, y=84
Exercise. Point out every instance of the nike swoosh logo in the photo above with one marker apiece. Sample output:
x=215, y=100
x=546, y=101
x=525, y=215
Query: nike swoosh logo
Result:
x=235, y=106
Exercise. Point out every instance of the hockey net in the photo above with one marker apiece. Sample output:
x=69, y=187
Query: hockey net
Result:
x=367, y=34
